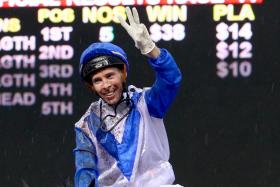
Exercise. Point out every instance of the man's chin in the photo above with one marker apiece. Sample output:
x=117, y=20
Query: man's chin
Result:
x=111, y=101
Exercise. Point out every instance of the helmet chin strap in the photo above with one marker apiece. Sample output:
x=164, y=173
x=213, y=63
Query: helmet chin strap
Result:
x=127, y=94
x=128, y=101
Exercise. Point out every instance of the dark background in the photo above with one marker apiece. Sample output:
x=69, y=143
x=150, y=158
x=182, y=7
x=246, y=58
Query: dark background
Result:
x=222, y=132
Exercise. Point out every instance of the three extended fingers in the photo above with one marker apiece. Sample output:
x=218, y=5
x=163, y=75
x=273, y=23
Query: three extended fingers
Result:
x=133, y=18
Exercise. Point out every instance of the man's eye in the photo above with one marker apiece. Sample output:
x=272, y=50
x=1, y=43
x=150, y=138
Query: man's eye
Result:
x=110, y=76
x=96, y=81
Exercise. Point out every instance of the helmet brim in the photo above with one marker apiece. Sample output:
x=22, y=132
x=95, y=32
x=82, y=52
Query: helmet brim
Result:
x=99, y=63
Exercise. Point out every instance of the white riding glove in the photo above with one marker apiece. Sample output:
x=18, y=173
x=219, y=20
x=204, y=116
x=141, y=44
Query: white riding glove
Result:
x=137, y=31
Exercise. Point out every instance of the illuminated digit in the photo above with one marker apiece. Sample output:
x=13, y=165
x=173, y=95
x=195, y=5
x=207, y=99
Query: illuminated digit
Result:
x=106, y=34
x=246, y=48
x=234, y=67
x=167, y=34
x=45, y=90
x=234, y=30
x=246, y=31
x=46, y=108
x=222, y=31
x=43, y=71
x=43, y=53
x=179, y=32
x=245, y=69
x=234, y=49
x=46, y=34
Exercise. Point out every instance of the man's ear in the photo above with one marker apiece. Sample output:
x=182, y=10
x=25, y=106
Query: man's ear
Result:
x=124, y=73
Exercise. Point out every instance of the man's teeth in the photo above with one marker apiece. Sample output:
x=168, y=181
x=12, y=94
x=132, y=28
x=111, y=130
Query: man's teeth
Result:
x=109, y=94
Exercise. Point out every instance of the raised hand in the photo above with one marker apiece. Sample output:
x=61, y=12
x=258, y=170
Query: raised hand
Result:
x=137, y=31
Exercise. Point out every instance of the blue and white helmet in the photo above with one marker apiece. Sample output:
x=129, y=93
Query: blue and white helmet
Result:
x=100, y=55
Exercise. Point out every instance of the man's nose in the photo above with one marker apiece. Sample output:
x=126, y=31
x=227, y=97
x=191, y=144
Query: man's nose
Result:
x=106, y=83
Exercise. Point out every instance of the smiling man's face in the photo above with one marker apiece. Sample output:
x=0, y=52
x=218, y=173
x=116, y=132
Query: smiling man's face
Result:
x=108, y=84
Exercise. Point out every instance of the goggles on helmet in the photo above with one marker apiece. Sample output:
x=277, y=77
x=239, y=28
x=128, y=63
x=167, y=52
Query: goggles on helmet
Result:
x=98, y=63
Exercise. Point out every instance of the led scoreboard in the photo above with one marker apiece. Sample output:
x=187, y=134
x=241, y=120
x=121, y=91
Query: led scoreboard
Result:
x=218, y=45
x=37, y=52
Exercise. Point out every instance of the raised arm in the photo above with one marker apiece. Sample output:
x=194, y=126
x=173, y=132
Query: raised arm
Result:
x=168, y=75
x=164, y=89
